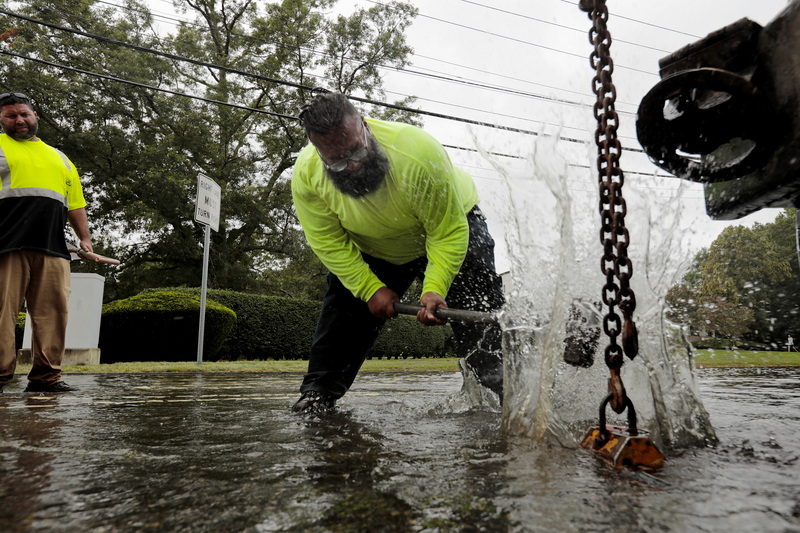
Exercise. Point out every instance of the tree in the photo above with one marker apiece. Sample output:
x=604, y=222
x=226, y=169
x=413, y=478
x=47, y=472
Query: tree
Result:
x=742, y=285
x=781, y=317
x=739, y=263
x=724, y=317
x=140, y=150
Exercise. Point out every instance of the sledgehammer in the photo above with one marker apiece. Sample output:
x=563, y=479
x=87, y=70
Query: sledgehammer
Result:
x=91, y=256
x=453, y=315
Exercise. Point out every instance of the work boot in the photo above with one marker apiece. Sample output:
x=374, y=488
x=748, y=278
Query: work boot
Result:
x=314, y=402
x=488, y=370
x=583, y=334
x=58, y=386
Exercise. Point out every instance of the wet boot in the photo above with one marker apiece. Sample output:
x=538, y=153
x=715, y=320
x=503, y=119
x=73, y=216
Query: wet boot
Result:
x=583, y=334
x=314, y=402
x=488, y=370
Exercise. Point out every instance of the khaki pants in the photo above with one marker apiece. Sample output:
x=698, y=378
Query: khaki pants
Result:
x=43, y=282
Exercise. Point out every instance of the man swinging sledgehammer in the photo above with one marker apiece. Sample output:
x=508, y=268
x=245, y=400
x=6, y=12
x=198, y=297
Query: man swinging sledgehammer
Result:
x=381, y=205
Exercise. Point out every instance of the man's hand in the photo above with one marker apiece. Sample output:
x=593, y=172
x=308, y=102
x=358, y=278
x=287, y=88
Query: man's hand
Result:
x=430, y=302
x=382, y=303
x=86, y=245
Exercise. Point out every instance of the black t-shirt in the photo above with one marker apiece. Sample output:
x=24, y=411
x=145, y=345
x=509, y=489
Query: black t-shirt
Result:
x=33, y=223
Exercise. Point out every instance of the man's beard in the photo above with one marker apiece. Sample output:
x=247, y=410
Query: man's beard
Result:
x=31, y=133
x=365, y=179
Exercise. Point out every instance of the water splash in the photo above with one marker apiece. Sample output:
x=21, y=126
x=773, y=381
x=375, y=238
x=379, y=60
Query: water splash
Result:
x=552, y=236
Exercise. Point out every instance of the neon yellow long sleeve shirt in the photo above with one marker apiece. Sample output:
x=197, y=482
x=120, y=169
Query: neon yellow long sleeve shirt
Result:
x=420, y=210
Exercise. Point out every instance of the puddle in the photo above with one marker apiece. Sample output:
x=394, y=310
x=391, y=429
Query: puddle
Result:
x=222, y=452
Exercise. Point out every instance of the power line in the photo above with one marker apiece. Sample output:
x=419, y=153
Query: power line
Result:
x=269, y=79
x=643, y=22
x=564, y=26
x=150, y=50
x=465, y=82
x=496, y=114
x=437, y=76
x=236, y=106
x=193, y=97
x=263, y=111
x=506, y=90
x=256, y=76
x=501, y=75
x=521, y=41
x=144, y=86
x=574, y=165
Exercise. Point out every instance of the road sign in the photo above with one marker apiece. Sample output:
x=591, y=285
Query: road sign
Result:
x=206, y=208
x=206, y=211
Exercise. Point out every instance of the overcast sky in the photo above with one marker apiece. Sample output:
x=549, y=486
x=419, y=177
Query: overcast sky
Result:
x=533, y=56
x=540, y=49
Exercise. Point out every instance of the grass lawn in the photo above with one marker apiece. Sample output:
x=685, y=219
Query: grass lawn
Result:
x=705, y=359
x=745, y=358
x=371, y=365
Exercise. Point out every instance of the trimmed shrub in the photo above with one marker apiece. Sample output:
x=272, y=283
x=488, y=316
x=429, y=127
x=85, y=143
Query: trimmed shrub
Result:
x=267, y=327
x=273, y=327
x=19, y=330
x=162, y=326
x=717, y=343
x=712, y=343
x=405, y=337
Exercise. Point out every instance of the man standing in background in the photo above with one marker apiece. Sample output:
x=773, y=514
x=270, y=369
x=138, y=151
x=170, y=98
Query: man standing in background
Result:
x=39, y=191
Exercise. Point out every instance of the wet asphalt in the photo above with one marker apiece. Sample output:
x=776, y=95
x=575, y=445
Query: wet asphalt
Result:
x=223, y=453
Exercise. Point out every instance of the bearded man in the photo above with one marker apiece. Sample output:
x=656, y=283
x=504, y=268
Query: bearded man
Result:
x=382, y=205
x=40, y=191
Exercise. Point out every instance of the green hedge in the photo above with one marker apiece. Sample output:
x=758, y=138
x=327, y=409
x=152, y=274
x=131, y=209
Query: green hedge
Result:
x=405, y=337
x=19, y=330
x=162, y=326
x=717, y=343
x=273, y=327
x=267, y=327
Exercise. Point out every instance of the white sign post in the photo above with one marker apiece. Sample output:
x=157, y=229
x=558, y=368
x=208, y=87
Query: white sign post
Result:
x=206, y=212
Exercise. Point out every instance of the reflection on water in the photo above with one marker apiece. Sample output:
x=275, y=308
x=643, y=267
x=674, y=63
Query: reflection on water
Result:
x=218, y=453
x=34, y=459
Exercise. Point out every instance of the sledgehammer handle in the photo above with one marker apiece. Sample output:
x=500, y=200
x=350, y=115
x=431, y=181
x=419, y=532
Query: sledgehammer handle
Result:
x=445, y=313
x=91, y=256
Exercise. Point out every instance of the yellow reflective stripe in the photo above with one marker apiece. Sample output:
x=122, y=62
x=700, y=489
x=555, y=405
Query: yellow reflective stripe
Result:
x=64, y=158
x=5, y=171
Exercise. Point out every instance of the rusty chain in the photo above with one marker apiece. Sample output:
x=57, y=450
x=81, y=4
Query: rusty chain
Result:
x=615, y=264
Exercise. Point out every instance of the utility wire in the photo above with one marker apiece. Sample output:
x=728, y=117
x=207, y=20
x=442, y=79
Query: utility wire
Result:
x=228, y=104
x=200, y=98
x=574, y=165
x=453, y=78
x=247, y=74
x=557, y=25
x=144, y=86
x=521, y=41
x=642, y=22
x=269, y=79
x=436, y=76
x=149, y=50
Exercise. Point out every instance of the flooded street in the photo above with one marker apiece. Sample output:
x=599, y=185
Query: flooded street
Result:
x=222, y=453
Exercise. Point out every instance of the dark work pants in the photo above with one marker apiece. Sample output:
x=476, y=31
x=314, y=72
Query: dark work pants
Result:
x=346, y=330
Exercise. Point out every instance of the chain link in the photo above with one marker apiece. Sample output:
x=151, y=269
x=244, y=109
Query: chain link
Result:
x=615, y=264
